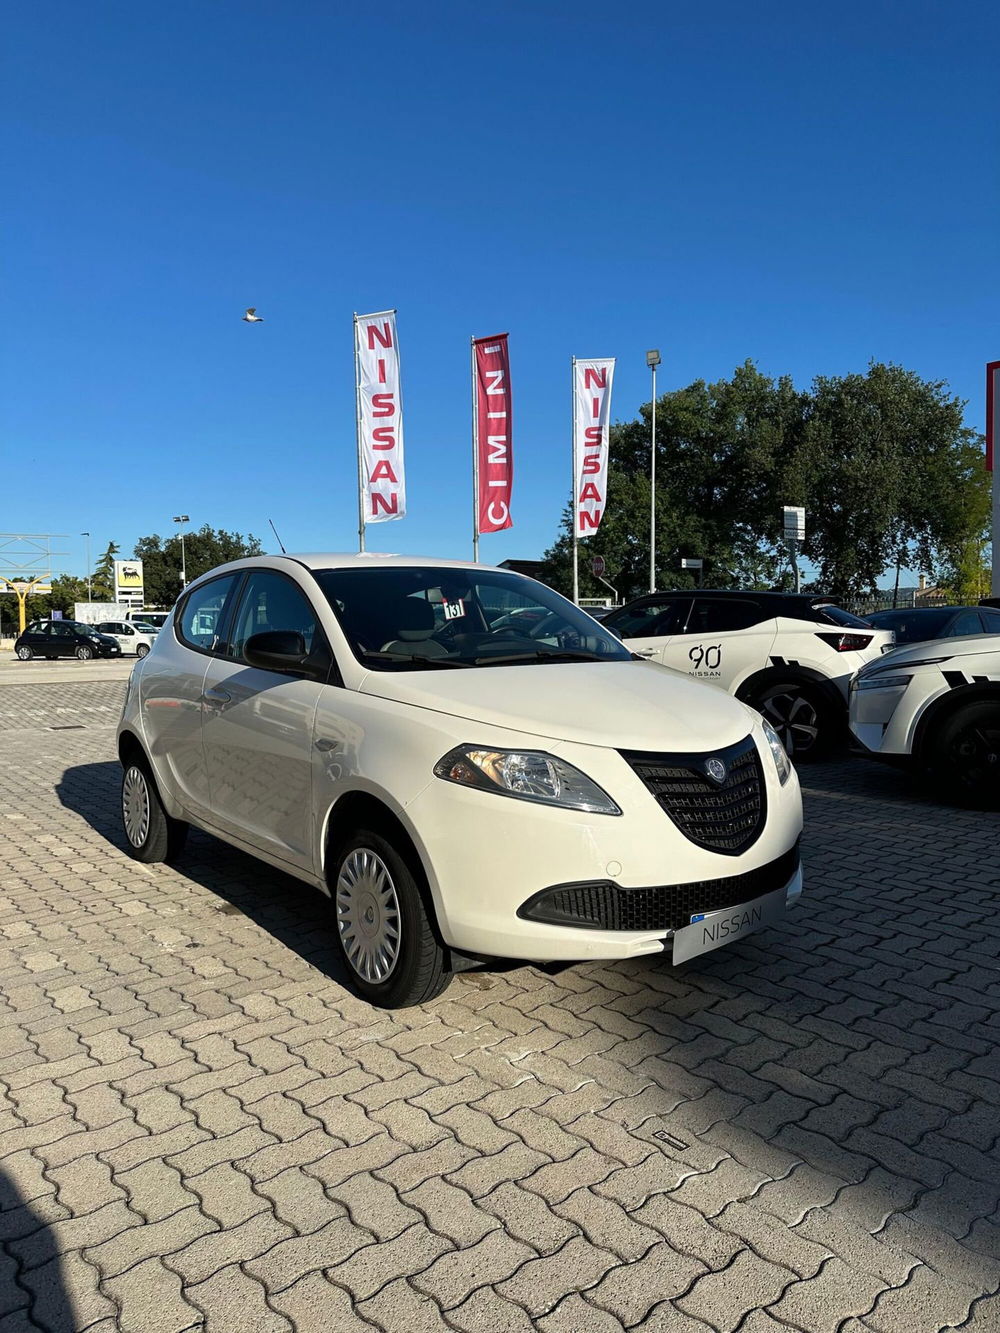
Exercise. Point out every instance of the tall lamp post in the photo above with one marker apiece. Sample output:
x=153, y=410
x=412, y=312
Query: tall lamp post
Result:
x=182, y=519
x=90, y=595
x=652, y=360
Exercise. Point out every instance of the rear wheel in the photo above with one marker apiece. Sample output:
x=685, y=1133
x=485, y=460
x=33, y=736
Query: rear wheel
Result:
x=799, y=716
x=964, y=755
x=24, y=653
x=84, y=653
x=384, y=933
x=150, y=833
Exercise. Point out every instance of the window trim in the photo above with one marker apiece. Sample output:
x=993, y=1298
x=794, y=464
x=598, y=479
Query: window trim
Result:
x=760, y=609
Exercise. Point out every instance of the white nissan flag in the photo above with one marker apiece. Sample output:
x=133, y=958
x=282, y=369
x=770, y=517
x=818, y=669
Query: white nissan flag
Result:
x=591, y=416
x=380, y=418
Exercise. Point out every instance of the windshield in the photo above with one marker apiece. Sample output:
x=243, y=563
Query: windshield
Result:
x=913, y=626
x=412, y=619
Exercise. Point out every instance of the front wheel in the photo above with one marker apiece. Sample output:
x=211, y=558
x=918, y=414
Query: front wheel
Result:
x=84, y=654
x=150, y=833
x=384, y=933
x=142, y=650
x=964, y=756
x=24, y=653
x=799, y=717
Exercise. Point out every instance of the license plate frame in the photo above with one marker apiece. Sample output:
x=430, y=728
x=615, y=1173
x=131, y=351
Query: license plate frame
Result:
x=711, y=930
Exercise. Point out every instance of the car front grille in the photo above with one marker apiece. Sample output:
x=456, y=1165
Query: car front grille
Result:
x=724, y=816
x=601, y=905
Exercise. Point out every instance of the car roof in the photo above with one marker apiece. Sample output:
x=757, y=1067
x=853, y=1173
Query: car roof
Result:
x=314, y=560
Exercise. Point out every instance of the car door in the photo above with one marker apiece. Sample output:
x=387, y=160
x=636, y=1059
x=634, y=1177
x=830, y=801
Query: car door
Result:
x=40, y=640
x=646, y=629
x=724, y=640
x=62, y=640
x=258, y=726
x=117, y=631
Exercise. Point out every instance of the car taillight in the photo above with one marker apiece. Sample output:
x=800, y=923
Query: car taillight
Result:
x=847, y=643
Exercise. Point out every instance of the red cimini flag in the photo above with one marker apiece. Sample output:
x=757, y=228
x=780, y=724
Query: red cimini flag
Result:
x=492, y=416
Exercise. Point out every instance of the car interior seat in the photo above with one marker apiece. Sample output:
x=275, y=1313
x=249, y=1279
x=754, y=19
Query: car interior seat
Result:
x=413, y=620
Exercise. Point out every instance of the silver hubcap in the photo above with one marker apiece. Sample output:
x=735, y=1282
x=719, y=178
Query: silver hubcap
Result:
x=368, y=915
x=24, y=654
x=135, y=806
x=794, y=719
x=83, y=654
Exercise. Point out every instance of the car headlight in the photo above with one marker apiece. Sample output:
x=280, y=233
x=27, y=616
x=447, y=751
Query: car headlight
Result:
x=885, y=681
x=781, y=760
x=526, y=775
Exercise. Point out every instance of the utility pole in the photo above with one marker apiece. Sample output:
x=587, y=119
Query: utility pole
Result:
x=652, y=360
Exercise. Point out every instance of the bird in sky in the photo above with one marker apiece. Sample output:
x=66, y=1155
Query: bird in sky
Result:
x=252, y=317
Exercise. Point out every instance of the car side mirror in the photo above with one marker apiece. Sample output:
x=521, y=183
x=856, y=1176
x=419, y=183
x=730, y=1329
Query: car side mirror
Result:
x=284, y=650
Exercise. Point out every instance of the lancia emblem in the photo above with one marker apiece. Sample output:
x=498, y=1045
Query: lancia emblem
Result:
x=716, y=770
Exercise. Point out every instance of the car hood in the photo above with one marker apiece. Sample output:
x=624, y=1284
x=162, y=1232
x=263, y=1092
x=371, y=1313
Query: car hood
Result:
x=620, y=705
x=974, y=644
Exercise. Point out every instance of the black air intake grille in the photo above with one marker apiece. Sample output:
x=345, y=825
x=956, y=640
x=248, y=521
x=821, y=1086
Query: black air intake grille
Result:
x=725, y=816
x=605, y=906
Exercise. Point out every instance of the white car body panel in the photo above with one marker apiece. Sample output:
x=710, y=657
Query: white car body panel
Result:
x=887, y=720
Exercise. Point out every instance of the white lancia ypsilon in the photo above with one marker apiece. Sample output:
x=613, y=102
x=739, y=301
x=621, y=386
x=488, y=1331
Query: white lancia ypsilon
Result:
x=467, y=764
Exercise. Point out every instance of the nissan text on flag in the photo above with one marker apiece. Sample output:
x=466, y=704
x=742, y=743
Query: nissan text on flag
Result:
x=466, y=763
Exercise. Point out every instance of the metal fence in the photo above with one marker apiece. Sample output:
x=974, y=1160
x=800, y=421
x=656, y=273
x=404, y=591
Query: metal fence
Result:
x=904, y=600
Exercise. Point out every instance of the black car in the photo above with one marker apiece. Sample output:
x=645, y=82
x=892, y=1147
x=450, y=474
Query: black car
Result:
x=921, y=623
x=64, y=638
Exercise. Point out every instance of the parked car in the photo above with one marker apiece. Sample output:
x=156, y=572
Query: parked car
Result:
x=137, y=638
x=155, y=618
x=460, y=790
x=789, y=656
x=64, y=638
x=920, y=624
x=936, y=707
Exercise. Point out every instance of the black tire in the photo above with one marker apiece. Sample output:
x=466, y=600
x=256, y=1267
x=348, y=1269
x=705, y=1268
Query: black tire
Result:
x=963, y=755
x=24, y=653
x=150, y=833
x=401, y=961
x=801, y=717
x=84, y=653
x=141, y=650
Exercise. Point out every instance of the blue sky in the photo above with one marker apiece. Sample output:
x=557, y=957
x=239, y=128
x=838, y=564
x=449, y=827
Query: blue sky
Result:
x=808, y=186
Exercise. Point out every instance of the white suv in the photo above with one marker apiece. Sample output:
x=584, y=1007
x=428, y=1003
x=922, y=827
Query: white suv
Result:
x=465, y=762
x=936, y=706
x=789, y=656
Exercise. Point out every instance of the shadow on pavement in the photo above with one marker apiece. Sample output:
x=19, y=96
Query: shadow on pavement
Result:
x=33, y=1290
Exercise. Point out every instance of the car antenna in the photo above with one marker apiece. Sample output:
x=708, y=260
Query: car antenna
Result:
x=275, y=531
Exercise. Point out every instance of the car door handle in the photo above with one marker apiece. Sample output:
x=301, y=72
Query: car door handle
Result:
x=647, y=652
x=326, y=745
x=216, y=697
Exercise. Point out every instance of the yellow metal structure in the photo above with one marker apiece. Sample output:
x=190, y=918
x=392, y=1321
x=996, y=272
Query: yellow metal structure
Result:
x=22, y=591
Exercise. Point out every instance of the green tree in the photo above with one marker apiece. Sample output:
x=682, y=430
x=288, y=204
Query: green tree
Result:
x=103, y=582
x=203, y=550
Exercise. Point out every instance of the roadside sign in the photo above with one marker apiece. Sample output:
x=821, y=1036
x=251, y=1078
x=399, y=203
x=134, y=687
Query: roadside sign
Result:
x=597, y=565
x=692, y=564
x=794, y=523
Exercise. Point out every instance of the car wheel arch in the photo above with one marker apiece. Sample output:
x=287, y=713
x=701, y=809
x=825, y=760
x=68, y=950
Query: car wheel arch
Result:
x=943, y=707
x=775, y=675
x=359, y=809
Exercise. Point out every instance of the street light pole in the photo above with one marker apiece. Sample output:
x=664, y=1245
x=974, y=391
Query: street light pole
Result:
x=182, y=519
x=652, y=360
x=90, y=595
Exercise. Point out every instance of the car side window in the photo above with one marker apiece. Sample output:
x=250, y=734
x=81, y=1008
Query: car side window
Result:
x=62, y=631
x=710, y=616
x=201, y=619
x=966, y=623
x=271, y=601
x=991, y=621
x=644, y=621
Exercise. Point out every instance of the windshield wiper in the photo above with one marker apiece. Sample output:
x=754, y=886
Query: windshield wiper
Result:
x=415, y=659
x=540, y=655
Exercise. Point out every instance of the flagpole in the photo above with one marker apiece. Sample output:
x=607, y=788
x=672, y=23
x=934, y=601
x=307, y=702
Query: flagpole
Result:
x=576, y=550
x=357, y=427
x=475, y=457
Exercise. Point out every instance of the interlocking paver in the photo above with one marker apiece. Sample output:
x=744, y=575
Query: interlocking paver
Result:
x=834, y=1103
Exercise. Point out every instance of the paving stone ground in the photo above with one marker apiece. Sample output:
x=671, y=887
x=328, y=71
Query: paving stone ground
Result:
x=201, y=1128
